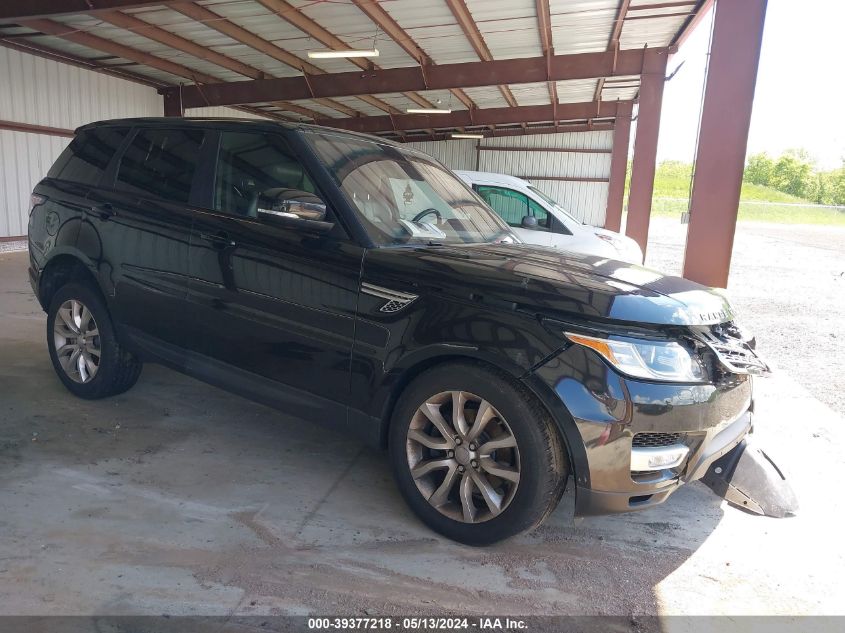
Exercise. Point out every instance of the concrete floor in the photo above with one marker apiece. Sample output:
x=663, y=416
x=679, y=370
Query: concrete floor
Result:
x=179, y=498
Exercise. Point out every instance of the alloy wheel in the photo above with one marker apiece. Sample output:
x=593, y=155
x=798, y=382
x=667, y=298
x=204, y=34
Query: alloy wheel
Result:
x=463, y=456
x=77, y=341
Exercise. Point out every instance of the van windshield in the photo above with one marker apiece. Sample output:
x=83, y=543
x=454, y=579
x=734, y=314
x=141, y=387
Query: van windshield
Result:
x=551, y=202
x=405, y=197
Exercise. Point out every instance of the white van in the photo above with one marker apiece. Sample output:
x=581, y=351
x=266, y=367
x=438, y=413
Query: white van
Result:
x=538, y=219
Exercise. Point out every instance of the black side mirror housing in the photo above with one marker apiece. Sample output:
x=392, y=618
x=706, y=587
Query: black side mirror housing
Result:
x=529, y=222
x=293, y=208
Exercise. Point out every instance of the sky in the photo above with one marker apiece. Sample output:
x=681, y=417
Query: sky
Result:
x=799, y=101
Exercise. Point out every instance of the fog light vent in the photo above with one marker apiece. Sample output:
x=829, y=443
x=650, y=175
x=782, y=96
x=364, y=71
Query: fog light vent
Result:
x=656, y=439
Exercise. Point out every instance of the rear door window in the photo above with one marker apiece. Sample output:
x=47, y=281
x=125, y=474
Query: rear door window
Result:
x=161, y=163
x=512, y=205
x=85, y=160
x=249, y=167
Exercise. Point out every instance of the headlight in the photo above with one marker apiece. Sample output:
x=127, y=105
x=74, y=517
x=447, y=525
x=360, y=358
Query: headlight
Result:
x=668, y=361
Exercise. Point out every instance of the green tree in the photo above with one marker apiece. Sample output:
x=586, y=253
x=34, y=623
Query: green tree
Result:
x=793, y=173
x=759, y=169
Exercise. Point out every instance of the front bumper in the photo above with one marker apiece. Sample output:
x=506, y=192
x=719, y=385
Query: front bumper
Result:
x=609, y=410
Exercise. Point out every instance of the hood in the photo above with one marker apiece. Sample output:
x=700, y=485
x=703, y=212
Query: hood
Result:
x=549, y=281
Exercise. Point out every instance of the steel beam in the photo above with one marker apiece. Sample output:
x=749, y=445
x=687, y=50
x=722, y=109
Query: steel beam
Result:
x=26, y=46
x=297, y=18
x=485, y=116
x=440, y=77
x=16, y=11
x=645, y=145
x=551, y=129
x=618, y=167
x=722, y=139
x=57, y=29
x=220, y=24
x=383, y=20
x=14, y=126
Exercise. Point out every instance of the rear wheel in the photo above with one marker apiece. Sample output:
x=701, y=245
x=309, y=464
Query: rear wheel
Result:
x=85, y=352
x=475, y=455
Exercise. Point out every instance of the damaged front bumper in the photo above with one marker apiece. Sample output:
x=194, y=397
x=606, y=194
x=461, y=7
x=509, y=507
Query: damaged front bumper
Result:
x=620, y=422
x=749, y=479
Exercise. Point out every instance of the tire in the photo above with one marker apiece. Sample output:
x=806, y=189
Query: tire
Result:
x=491, y=506
x=116, y=369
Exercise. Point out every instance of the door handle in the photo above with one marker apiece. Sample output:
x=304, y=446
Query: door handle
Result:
x=104, y=211
x=219, y=240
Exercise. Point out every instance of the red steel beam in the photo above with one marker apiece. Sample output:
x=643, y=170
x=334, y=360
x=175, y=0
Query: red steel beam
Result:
x=544, y=23
x=440, y=77
x=691, y=23
x=565, y=150
x=621, y=13
x=381, y=18
x=446, y=136
x=565, y=178
x=145, y=29
x=239, y=34
x=18, y=10
x=645, y=145
x=80, y=62
x=157, y=34
x=485, y=116
x=297, y=18
x=618, y=167
x=57, y=29
x=723, y=137
x=464, y=19
x=14, y=126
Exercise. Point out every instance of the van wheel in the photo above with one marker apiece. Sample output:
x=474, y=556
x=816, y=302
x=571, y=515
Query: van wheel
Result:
x=475, y=455
x=83, y=347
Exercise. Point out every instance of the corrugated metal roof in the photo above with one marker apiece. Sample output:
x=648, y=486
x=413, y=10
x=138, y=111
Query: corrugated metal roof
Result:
x=509, y=28
x=582, y=26
x=531, y=94
x=433, y=27
x=487, y=97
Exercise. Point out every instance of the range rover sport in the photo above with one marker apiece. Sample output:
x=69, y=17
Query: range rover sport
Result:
x=349, y=281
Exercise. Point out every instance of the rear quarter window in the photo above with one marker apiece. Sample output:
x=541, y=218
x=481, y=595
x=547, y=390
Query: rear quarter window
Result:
x=85, y=160
x=161, y=163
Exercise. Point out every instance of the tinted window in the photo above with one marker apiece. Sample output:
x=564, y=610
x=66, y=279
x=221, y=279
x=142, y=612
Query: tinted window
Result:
x=161, y=163
x=251, y=166
x=88, y=155
x=513, y=205
x=403, y=196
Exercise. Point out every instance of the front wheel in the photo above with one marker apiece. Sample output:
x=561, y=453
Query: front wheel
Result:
x=83, y=347
x=475, y=455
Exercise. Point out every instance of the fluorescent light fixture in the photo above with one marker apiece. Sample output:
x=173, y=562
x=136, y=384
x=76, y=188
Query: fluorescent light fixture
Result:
x=372, y=52
x=463, y=135
x=428, y=111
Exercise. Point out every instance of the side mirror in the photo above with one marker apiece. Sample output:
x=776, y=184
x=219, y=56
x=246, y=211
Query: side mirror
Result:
x=293, y=208
x=529, y=222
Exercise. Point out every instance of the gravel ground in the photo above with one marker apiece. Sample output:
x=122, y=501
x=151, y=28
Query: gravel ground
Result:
x=788, y=285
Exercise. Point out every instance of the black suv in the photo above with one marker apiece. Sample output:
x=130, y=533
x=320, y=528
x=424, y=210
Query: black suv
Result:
x=349, y=281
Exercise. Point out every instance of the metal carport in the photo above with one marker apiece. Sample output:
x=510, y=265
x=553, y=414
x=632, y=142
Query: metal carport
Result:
x=501, y=68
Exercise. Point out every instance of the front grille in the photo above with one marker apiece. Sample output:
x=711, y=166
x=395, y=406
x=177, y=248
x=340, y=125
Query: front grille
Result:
x=642, y=440
x=734, y=351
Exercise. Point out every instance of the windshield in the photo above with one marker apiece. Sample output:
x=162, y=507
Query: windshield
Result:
x=406, y=197
x=559, y=208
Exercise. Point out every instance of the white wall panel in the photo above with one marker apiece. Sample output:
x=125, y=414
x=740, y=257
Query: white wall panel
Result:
x=453, y=154
x=222, y=112
x=43, y=92
x=24, y=159
x=39, y=91
x=585, y=200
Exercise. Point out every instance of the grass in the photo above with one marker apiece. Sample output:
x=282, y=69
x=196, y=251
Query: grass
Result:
x=671, y=194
